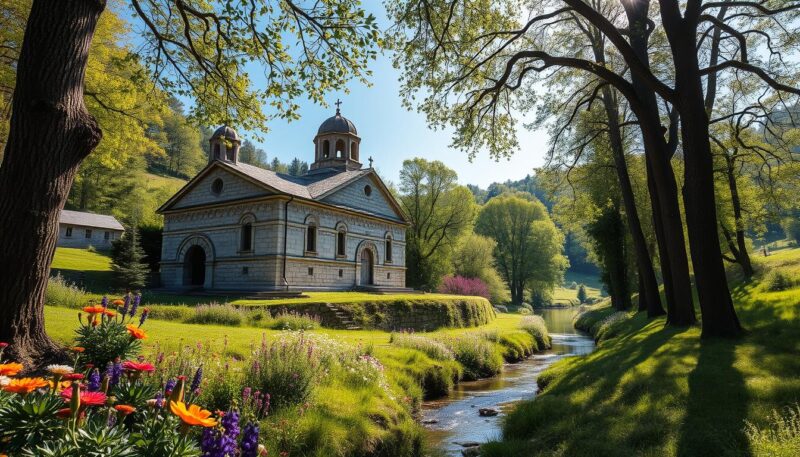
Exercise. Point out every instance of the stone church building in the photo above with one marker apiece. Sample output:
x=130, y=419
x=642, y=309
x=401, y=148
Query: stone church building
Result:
x=235, y=226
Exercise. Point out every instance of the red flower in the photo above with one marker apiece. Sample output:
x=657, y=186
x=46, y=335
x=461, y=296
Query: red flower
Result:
x=3, y=345
x=138, y=366
x=87, y=398
x=72, y=377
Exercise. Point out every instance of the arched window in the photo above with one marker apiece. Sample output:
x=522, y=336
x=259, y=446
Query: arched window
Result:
x=340, y=148
x=326, y=149
x=216, y=151
x=341, y=240
x=388, y=254
x=354, y=151
x=246, y=233
x=311, y=238
x=247, y=237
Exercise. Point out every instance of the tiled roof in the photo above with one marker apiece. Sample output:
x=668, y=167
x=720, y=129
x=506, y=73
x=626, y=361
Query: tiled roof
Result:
x=310, y=186
x=89, y=220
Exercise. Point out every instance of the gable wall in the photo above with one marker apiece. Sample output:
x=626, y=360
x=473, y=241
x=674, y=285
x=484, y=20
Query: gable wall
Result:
x=234, y=187
x=353, y=196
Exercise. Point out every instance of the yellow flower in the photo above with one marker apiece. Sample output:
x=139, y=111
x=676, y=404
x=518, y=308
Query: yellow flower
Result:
x=194, y=415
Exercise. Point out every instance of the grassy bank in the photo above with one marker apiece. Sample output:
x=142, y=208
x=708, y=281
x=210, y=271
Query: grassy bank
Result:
x=653, y=391
x=347, y=415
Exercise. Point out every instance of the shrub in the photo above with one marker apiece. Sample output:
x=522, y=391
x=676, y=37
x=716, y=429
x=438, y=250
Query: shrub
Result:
x=782, y=439
x=217, y=314
x=106, y=335
x=536, y=326
x=432, y=348
x=524, y=311
x=286, y=369
x=61, y=292
x=541, y=298
x=573, y=285
x=582, y=293
x=776, y=281
x=480, y=358
x=609, y=326
x=459, y=285
x=295, y=321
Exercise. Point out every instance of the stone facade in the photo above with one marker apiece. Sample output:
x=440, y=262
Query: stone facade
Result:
x=238, y=227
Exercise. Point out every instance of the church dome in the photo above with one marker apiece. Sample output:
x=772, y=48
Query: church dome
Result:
x=226, y=132
x=337, y=124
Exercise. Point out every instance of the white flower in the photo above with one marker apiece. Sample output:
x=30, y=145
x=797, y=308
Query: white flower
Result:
x=60, y=369
x=4, y=380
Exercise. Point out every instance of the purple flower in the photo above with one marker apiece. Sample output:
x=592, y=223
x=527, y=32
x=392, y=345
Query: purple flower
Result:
x=113, y=373
x=198, y=378
x=136, y=300
x=221, y=443
x=250, y=440
x=94, y=381
x=104, y=301
x=143, y=318
x=230, y=422
x=170, y=386
x=127, y=303
x=246, y=393
x=160, y=399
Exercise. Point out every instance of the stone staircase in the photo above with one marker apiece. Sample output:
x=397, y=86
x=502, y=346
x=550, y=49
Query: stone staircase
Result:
x=344, y=318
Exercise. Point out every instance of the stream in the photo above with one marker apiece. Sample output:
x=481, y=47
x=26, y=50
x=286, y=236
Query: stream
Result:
x=453, y=420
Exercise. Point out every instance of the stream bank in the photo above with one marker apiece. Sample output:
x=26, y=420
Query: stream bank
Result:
x=454, y=421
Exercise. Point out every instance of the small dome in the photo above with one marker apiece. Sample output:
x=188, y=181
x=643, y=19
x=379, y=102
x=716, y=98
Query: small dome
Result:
x=227, y=132
x=337, y=124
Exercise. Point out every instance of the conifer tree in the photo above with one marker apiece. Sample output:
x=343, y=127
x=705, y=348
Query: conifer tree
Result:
x=127, y=261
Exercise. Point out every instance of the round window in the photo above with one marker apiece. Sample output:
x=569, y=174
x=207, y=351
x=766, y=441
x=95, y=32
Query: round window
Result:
x=367, y=190
x=216, y=186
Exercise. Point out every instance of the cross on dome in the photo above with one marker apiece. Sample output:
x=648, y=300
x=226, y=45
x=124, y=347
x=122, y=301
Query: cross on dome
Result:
x=338, y=105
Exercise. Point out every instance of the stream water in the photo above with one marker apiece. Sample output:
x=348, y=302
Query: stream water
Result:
x=454, y=420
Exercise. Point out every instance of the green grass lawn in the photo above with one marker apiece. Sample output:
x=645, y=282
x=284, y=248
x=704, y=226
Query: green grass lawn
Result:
x=655, y=391
x=90, y=269
x=61, y=323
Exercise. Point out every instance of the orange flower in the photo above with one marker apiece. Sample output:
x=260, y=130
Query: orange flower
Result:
x=25, y=385
x=10, y=369
x=96, y=309
x=109, y=313
x=78, y=349
x=124, y=409
x=192, y=416
x=118, y=302
x=136, y=332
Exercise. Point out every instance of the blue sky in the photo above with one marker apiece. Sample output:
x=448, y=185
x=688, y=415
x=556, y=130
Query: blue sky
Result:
x=390, y=133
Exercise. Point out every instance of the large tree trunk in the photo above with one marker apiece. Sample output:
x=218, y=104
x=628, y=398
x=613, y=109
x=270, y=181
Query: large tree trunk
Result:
x=51, y=132
x=719, y=316
x=739, y=249
x=649, y=298
x=661, y=181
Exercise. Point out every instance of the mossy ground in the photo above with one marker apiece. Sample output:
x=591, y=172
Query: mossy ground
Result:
x=653, y=390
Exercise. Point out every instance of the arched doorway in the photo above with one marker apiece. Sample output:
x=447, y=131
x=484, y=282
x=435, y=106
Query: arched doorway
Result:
x=366, y=267
x=194, y=267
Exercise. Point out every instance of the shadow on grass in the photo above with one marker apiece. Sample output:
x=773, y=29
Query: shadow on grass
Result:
x=716, y=405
